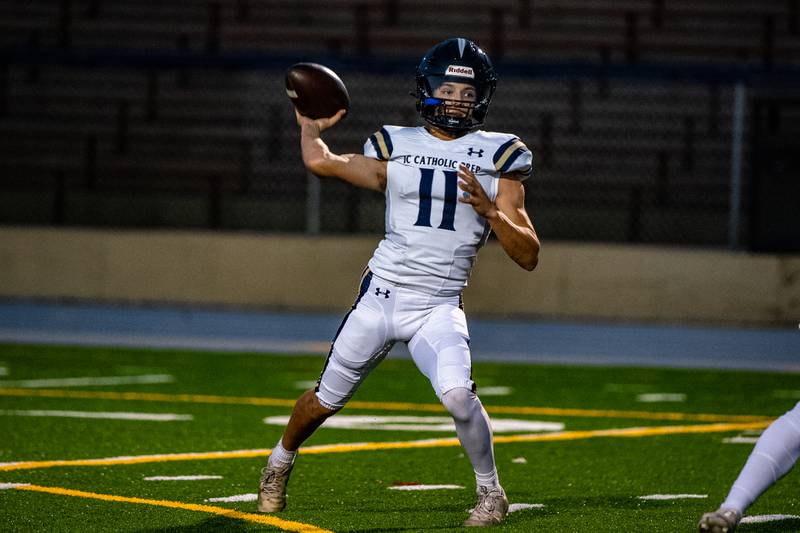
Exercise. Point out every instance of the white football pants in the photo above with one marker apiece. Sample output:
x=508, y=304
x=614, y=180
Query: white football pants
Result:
x=434, y=327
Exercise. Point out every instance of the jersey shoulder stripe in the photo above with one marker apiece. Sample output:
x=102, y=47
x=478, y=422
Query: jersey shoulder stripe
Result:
x=382, y=143
x=508, y=152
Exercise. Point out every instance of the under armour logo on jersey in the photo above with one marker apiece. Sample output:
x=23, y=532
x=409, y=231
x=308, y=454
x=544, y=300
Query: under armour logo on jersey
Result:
x=473, y=151
x=379, y=292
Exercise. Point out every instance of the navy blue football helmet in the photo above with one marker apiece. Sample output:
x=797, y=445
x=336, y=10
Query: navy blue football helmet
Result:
x=455, y=60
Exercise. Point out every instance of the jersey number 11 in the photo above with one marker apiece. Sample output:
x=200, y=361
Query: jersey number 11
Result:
x=450, y=198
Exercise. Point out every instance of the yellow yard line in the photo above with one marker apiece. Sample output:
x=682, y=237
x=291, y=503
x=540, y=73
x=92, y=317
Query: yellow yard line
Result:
x=146, y=396
x=634, y=432
x=381, y=406
x=136, y=459
x=285, y=525
x=611, y=413
x=541, y=437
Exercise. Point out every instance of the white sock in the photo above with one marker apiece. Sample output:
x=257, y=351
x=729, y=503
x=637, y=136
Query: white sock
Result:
x=487, y=480
x=773, y=456
x=280, y=456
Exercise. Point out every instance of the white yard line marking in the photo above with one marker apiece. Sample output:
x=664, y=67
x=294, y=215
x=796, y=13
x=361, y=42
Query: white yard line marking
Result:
x=3, y=371
x=673, y=496
x=519, y=460
x=154, y=417
x=514, y=507
x=495, y=391
x=180, y=478
x=758, y=519
x=421, y=423
x=89, y=381
x=138, y=459
x=236, y=498
x=661, y=397
x=9, y=486
x=305, y=385
x=740, y=440
x=424, y=487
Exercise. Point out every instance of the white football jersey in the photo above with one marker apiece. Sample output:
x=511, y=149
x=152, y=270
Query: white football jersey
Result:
x=431, y=238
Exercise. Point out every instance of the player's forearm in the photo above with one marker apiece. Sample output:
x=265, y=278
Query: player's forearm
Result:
x=317, y=157
x=520, y=243
x=351, y=168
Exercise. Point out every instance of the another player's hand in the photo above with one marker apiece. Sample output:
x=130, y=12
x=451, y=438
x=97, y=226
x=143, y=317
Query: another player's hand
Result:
x=321, y=124
x=474, y=194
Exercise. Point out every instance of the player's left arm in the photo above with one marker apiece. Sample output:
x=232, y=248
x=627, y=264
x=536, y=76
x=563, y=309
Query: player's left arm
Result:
x=506, y=215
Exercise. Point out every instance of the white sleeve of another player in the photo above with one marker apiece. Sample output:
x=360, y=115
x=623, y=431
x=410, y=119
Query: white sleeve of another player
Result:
x=773, y=456
x=513, y=157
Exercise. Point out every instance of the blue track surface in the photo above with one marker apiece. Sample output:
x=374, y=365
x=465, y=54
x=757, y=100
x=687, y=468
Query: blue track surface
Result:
x=498, y=340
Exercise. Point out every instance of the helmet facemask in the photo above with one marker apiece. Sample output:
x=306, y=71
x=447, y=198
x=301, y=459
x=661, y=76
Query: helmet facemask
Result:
x=455, y=61
x=453, y=115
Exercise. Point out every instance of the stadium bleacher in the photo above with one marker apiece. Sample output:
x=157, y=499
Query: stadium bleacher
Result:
x=148, y=144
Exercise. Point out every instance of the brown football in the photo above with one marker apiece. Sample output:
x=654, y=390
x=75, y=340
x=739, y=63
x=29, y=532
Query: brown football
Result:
x=315, y=90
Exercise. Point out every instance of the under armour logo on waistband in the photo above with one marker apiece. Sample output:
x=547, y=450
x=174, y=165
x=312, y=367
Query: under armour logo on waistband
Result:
x=379, y=292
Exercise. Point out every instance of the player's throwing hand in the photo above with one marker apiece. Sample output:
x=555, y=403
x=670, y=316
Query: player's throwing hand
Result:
x=321, y=123
x=474, y=194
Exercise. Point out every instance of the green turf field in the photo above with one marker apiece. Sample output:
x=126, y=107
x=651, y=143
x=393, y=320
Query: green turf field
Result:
x=585, y=470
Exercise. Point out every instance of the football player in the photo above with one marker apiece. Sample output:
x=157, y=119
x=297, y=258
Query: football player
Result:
x=775, y=453
x=447, y=184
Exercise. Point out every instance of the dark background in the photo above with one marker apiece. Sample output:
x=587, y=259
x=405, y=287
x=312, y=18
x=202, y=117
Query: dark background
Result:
x=137, y=114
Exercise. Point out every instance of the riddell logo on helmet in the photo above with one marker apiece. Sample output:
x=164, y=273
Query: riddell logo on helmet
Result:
x=458, y=70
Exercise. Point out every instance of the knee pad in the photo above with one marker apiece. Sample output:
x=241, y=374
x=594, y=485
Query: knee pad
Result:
x=461, y=403
x=342, y=376
x=338, y=381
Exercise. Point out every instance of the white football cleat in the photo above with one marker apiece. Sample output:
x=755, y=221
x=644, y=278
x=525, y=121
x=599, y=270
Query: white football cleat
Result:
x=720, y=521
x=491, y=508
x=272, y=488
